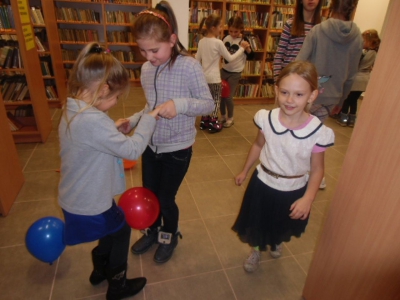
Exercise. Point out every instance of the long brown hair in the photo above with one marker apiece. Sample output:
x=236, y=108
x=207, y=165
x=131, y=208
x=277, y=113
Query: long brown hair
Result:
x=298, y=19
x=210, y=22
x=159, y=23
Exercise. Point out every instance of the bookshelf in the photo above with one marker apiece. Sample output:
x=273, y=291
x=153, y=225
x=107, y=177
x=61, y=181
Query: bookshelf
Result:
x=23, y=94
x=264, y=21
x=105, y=21
x=46, y=38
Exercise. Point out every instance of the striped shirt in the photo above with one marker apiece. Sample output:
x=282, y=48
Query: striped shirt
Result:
x=288, y=47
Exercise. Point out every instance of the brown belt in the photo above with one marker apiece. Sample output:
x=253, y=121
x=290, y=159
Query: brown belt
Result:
x=269, y=172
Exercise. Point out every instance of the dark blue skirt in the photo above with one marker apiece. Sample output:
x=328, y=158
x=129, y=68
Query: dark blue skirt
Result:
x=82, y=229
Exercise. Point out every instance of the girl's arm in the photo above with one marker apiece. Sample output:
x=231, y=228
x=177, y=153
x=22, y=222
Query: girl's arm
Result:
x=226, y=54
x=281, y=51
x=252, y=157
x=301, y=208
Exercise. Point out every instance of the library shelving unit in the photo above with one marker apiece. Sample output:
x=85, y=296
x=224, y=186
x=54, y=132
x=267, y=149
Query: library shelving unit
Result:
x=46, y=38
x=11, y=176
x=264, y=21
x=105, y=21
x=23, y=94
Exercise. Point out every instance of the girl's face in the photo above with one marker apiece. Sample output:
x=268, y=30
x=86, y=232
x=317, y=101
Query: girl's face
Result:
x=216, y=30
x=294, y=93
x=310, y=5
x=234, y=32
x=157, y=53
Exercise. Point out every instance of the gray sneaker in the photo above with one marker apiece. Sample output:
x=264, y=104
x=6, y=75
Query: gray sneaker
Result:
x=277, y=252
x=253, y=261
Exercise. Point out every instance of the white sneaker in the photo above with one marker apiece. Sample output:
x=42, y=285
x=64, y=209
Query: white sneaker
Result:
x=322, y=184
x=253, y=261
x=277, y=252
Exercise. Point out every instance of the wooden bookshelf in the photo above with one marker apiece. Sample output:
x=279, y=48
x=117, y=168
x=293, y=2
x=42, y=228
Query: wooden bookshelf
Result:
x=37, y=126
x=103, y=21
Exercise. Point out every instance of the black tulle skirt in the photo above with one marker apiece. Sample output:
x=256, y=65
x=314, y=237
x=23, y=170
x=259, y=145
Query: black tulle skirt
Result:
x=264, y=215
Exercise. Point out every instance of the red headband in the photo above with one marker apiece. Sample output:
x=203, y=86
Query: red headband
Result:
x=156, y=15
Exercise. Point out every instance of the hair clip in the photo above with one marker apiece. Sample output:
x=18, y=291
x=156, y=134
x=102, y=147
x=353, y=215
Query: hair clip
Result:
x=96, y=49
x=107, y=51
x=149, y=12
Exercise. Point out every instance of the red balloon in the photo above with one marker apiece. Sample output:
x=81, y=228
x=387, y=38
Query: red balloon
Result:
x=141, y=207
x=226, y=89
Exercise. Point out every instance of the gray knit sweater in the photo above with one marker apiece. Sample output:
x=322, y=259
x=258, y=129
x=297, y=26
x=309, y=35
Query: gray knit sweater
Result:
x=334, y=47
x=92, y=170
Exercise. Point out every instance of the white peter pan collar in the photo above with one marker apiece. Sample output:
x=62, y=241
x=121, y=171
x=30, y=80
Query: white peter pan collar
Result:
x=312, y=127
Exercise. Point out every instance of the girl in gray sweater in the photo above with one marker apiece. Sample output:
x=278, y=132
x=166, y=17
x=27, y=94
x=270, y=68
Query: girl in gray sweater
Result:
x=92, y=171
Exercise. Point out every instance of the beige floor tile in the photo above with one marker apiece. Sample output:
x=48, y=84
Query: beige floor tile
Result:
x=232, y=145
x=210, y=169
x=304, y=260
x=210, y=286
x=24, y=277
x=44, y=159
x=273, y=280
x=203, y=148
x=24, y=156
x=188, y=210
x=223, y=197
x=194, y=254
x=246, y=128
x=39, y=186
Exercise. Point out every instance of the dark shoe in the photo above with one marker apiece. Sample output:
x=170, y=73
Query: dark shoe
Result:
x=342, y=120
x=148, y=239
x=204, y=122
x=99, y=267
x=352, y=120
x=168, y=243
x=119, y=287
x=214, y=126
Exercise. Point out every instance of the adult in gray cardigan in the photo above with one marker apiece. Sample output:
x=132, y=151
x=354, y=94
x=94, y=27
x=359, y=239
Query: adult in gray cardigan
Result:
x=334, y=47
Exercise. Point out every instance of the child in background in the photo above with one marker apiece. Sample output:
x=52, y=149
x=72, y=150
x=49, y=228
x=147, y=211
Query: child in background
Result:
x=347, y=116
x=174, y=80
x=92, y=172
x=290, y=142
x=232, y=71
x=307, y=14
x=335, y=48
x=209, y=52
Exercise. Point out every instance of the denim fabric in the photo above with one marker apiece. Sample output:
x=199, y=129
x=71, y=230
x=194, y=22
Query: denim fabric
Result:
x=162, y=173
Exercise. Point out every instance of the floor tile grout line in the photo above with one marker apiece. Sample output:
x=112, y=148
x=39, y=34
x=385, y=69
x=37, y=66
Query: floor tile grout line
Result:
x=11, y=246
x=213, y=245
x=54, y=279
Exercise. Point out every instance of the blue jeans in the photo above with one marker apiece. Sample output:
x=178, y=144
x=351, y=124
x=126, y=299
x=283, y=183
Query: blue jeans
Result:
x=163, y=173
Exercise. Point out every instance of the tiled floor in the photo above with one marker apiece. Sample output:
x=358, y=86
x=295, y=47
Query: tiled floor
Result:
x=207, y=263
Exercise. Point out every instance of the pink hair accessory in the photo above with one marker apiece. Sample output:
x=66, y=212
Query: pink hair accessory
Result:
x=156, y=15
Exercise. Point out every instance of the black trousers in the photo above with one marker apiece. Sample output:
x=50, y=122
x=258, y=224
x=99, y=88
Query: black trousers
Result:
x=351, y=103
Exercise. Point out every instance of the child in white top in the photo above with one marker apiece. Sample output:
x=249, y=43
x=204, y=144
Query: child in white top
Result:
x=209, y=53
x=290, y=142
x=232, y=71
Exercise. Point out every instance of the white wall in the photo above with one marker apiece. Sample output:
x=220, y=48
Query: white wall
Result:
x=181, y=10
x=370, y=14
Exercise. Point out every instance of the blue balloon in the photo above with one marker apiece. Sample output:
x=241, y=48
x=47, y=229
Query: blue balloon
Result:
x=45, y=239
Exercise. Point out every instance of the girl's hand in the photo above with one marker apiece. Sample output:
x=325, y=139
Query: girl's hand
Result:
x=168, y=110
x=240, y=178
x=300, y=209
x=123, y=125
x=244, y=44
x=154, y=113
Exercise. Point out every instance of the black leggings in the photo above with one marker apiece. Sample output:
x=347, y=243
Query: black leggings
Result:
x=351, y=102
x=117, y=245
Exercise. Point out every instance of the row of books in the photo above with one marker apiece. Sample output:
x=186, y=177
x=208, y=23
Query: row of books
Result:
x=118, y=36
x=193, y=39
x=124, y=56
x=252, y=67
x=78, y=35
x=326, y=3
x=246, y=90
x=268, y=69
x=69, y=55
x=253, y=1
x=41, y=47
x=255, y=42
x=10, y=58
x=280, y=16
x=14, y=89
x=272, y=43
x=250, y=18
x=120, y=17
x=21, y=114
x=51, y=92
x=70, y=14
x=267, y=90
x=134, y=73
x=118, y=1
x=196, y=15
x=285, y=2
x=46, y=68
x=37, y=16
x=6, y=17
